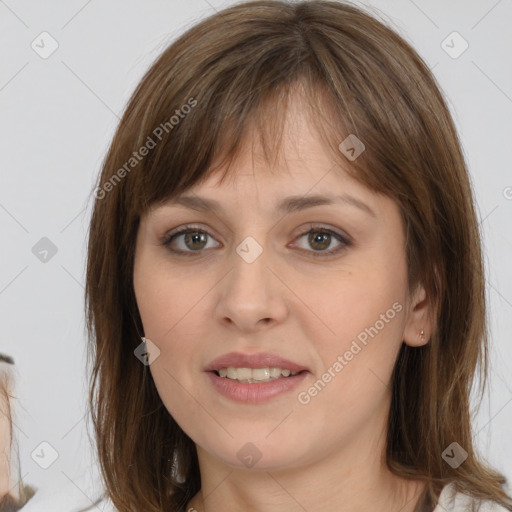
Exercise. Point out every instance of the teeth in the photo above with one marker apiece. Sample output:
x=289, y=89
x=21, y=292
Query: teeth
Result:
x=259, y=374
x=251, y=375
x=275, y=372
x=241, y=373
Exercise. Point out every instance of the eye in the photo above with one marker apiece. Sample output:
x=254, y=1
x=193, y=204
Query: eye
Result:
x=320, y=238
x=195, y=240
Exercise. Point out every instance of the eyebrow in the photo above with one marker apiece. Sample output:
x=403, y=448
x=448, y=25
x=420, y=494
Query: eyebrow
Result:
x=287, y=205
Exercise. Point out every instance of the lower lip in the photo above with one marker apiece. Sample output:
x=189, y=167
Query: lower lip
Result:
x=255, y=393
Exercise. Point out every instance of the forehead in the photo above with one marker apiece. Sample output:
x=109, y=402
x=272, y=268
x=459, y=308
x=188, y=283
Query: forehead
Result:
x=305, y=171
x=291, y=186
x=288, y=150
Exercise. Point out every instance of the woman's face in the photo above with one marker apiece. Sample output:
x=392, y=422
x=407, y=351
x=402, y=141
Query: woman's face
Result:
x=253, y=287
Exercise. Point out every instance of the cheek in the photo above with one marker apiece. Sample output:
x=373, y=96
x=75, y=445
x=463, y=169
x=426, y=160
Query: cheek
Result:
x=364, y=317
x=351, y=387
x=170, y=305
x=367, y=296
x=170, y=320
x=165, y=297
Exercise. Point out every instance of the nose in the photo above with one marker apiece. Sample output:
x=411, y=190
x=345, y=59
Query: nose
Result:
x=252, y=297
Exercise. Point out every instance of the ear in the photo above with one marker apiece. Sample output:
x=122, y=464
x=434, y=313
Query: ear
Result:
x=419, y=318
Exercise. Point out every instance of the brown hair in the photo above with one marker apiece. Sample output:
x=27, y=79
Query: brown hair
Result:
x=233, y=69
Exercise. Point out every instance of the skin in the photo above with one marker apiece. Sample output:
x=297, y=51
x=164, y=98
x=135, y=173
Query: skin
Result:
x=328, y=454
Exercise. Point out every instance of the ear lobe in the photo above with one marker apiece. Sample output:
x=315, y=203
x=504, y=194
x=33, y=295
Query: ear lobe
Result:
x=418, y=326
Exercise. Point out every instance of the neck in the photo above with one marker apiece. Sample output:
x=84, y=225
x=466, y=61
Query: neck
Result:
x=352, y=479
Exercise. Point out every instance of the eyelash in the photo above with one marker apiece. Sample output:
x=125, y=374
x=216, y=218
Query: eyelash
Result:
x=195, y=229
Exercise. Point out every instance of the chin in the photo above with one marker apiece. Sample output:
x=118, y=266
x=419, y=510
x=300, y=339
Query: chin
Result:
x=263, y=455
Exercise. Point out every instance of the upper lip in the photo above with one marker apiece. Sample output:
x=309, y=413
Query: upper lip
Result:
x=260, y=360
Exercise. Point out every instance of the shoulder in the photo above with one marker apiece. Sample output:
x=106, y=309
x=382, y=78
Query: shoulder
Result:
x=452, y=501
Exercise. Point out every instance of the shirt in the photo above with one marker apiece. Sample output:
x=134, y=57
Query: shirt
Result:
x=452, y=501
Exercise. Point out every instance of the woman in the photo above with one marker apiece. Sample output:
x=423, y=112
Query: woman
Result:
x=284, y=287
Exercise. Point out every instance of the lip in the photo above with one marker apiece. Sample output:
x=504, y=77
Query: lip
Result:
x=260, y=360
x=256, y=392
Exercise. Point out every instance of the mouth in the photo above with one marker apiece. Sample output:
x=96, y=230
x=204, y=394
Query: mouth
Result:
x=255, y=375
x=260, y=366
x=254, y=378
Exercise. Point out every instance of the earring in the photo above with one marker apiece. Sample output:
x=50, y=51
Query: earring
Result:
x=422, y=334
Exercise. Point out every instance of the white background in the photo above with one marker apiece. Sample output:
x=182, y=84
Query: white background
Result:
x=57, y=118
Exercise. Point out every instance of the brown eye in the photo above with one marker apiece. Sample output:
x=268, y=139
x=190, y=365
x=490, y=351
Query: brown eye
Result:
x=320, y=239
x=195, y=240
x=189, y=240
